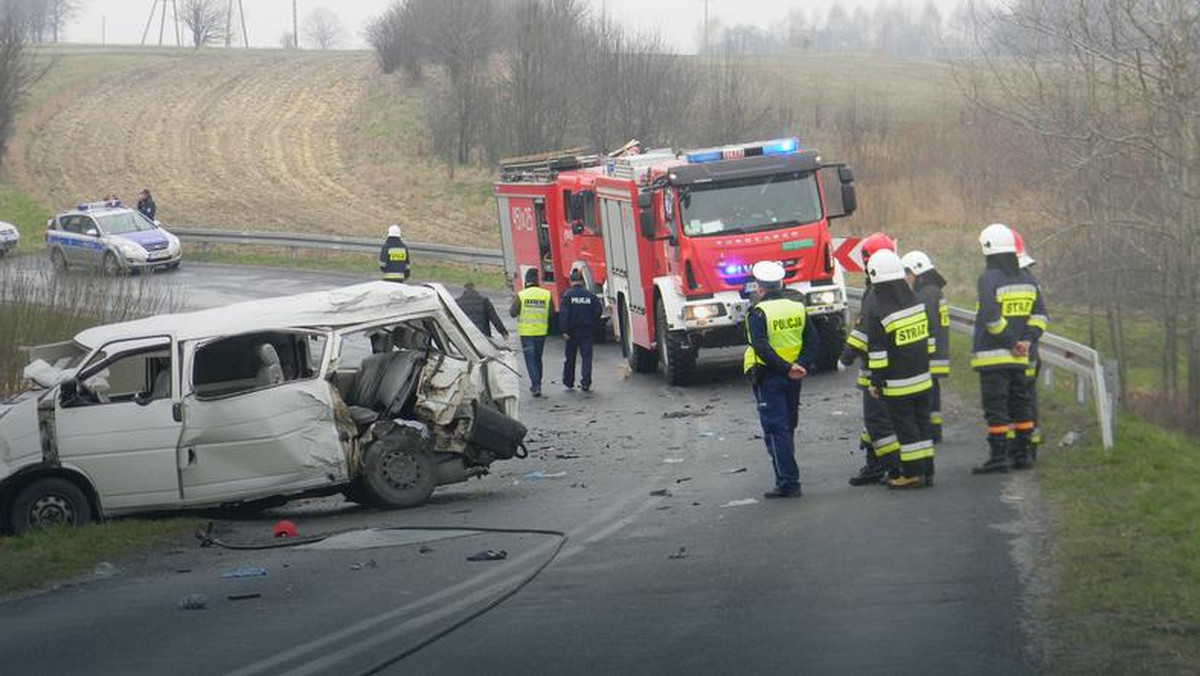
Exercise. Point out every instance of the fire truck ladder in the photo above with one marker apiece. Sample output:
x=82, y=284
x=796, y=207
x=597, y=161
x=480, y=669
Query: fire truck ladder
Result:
x=544, y=167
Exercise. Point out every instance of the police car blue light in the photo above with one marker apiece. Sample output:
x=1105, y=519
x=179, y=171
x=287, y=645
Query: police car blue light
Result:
x=113, y=238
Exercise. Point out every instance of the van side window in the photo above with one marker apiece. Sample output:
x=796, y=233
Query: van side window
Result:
x=141, y=375
x=246, y=363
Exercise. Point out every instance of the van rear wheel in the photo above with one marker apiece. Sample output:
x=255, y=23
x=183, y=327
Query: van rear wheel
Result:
x=398, y=470
x=47, y=503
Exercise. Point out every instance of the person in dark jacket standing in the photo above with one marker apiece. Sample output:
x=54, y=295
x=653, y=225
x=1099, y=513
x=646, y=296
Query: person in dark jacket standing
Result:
x=146, y=204
x=898, y=358
x=578, y=316
x=928, y=283
x=783, y=345
x=480, y=310
x=1026, y=263
x=1010, y=319
x=393, y=257
x=877, y=440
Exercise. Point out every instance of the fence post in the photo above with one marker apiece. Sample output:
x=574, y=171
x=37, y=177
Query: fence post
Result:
x=1048, y=377
x=1080, y=390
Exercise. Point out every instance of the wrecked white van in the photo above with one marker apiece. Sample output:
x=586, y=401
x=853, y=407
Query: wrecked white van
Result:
x=381, y=391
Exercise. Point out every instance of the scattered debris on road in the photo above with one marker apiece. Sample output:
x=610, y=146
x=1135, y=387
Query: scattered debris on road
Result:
x=244, y=597
x=193, y=602
x=567, y=456
x=672, y=461
x=681, y=554
x=489, y=555
x=736, y=470
x=369, y=563
x=683, y=479
x=661, y=492
x=425, y=549
x=251, y=571
x=539, y=474
x=740, y=503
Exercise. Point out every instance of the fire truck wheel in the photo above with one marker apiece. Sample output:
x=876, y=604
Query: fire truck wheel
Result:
x=640, y=359
x=677, y=361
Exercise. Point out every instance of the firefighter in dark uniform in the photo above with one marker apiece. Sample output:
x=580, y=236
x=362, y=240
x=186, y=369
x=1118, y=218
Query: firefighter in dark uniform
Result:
x=532, y=309
x=578, y=316
x=781, y=353
x=1034, y=370
x=897, y=331
x=877, y=440
x=1010, y=319
x=393, y=257
x=928, y=283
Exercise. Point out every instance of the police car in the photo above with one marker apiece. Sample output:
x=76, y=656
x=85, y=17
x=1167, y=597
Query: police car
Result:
x=9, y=237
x=111, y=237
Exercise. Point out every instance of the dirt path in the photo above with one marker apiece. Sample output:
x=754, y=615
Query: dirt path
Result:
x=255, y=141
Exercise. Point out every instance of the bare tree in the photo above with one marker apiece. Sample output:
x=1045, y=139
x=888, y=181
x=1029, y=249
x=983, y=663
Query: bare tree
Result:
x=204, y=19
x=323, y=28
x=17, y=71
x=287, y=40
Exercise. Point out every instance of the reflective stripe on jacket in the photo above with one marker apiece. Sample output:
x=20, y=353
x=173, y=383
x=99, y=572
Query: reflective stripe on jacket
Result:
x=898, y=349
x=1011, y=309
x=534, y=317
x=785, y=331
x=939, y=325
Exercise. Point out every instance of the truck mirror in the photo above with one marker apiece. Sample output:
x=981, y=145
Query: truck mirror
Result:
x=845, y=175
x=849, y=199
x=646, y=221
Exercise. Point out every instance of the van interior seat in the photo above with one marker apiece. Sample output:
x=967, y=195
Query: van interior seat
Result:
x=383, y=383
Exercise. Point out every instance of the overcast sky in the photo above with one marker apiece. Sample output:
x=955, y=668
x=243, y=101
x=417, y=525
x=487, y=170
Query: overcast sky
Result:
x=267, y=20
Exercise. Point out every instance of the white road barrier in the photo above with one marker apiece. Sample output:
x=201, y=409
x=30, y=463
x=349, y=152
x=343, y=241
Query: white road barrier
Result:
x=1079, y=359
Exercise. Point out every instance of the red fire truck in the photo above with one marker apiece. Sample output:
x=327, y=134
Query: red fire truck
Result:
x=669, y=239
x=549, y=221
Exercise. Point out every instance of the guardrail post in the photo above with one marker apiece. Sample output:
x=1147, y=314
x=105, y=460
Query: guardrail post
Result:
x=1080, y=390
x=1047, y=377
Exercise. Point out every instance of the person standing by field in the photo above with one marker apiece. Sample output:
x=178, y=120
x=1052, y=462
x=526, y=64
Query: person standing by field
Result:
x=393, y=257
x=146, y=205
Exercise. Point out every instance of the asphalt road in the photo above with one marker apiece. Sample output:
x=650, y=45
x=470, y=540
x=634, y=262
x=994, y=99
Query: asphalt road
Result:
x=669, y=561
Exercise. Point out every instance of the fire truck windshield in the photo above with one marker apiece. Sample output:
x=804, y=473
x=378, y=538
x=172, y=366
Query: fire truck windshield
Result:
x=750, y=204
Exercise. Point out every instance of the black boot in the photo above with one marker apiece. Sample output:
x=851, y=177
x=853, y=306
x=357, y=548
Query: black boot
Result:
x=869, y=475
x=1021, y=452
x=997, y=457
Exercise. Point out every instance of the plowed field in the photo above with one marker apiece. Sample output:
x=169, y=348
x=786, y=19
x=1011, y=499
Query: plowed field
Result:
x=251, y=140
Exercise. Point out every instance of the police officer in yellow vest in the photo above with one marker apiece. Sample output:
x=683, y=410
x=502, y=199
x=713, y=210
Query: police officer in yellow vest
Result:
x=393, y=257
x=780, y=355
x=532, y=308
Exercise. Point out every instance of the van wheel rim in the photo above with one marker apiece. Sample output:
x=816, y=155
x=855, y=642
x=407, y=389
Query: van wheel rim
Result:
x=51, y=510
x=401, y=470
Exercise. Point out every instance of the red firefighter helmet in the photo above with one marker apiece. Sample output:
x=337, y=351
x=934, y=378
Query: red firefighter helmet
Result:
x=1024, y=260
x=875, y=243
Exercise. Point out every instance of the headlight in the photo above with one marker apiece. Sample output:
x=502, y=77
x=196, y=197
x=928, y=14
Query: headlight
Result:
x=172, y=243
x=129, y=249
x=823, y=297
x=706, y=311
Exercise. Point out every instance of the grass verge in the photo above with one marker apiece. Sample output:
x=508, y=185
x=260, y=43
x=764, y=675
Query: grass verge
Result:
x=484, y=277
x=22, y=211
x=38, y=559
x=1126, y=550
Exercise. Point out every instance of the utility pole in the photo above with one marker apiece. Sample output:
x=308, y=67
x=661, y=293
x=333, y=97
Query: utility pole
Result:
x=705, y=27
x=103, y=29
x=295, y=26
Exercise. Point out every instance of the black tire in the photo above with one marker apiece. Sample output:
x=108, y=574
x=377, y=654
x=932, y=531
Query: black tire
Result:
x=398, y=470
x=832, y=334
x=49, y=502
x=111, y=266
x=58, y=260
x=676, y=361
x=640, y=359
x=174, y=266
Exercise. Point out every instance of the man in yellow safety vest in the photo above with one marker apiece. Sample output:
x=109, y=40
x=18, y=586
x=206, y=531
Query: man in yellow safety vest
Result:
x=779, y=356
x=532, y=308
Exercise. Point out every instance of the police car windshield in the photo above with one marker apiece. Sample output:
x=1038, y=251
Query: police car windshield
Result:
x=750, y=204
x=124, y=223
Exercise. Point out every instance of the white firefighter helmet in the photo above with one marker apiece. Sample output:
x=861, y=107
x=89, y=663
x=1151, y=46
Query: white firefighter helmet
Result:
x=997, y=238
x=769, y=274
x=917, y=262
x=885, y=266
x=394, y=231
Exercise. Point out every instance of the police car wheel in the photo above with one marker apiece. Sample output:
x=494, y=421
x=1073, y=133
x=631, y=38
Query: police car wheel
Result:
x=58, y=261
x=112, y=266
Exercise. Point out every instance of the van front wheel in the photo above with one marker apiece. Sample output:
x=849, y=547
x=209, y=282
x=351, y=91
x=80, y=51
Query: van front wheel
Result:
x=47, y=503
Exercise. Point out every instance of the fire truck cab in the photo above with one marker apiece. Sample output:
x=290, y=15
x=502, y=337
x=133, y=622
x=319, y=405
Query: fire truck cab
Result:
x=681, y=232
x=549, y=221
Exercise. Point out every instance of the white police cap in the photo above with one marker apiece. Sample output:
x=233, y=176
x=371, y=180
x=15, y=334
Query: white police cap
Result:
x=768, y=272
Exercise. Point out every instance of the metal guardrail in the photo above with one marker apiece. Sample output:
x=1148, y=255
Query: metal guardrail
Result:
x=444, y=252
x=1080, y=360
